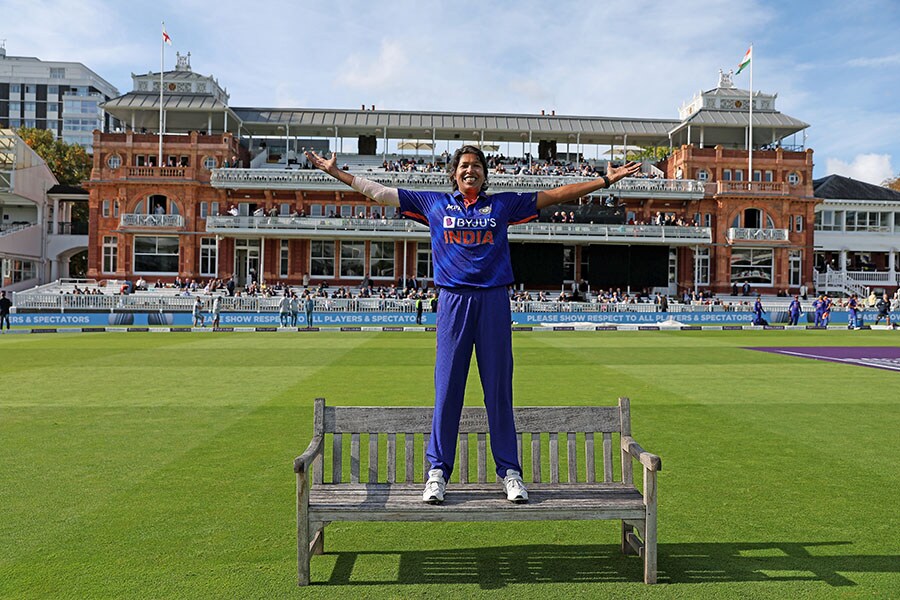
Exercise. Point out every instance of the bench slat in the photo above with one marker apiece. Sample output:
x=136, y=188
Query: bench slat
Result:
x=589, y=457
x=354, y=458
x=373, y=457
x=405, y=419
x=337, y=467
x=571, y=460
x=536, y=457
x=607, y=458
x=410, y=457
x=482, y=458
x=392, y=457
x=554, y=457
x=474, y=502
x=464, y=458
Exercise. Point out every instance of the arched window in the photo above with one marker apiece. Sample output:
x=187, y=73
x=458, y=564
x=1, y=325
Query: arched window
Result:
x=158, y=204
x=753, y=218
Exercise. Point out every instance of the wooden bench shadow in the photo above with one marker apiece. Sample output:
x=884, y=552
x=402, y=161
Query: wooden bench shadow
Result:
x=498, y=566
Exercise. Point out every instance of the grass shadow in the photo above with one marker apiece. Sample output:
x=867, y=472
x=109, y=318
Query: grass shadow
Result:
x=498, y=566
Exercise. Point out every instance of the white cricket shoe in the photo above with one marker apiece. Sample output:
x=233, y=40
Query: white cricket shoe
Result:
x=515, y=487
x=434, y=487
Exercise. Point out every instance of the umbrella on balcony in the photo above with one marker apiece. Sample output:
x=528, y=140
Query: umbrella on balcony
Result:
x=485, y=146
x=414, y=145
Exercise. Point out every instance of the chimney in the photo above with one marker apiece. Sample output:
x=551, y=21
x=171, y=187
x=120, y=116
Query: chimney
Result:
x=373, y=107
x=362, y=107
x=553, y=112
x=542, y=112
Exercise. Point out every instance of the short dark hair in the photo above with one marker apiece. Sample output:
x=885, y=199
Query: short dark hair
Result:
x=454, y=163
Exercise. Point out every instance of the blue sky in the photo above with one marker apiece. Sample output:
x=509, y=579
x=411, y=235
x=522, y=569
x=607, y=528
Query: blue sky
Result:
x=835, y=65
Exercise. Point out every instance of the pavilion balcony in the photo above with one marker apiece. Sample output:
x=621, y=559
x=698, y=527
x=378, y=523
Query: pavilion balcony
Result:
x=157, y=172
x=343, y=228
x=295, y=179
x=152, y=221
x=745, y=234
x=739, y=188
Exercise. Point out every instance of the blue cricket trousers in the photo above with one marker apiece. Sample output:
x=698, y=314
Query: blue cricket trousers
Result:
x=479, y=319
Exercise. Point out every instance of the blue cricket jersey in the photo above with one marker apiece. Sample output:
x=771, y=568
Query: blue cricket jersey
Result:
x=469, y=244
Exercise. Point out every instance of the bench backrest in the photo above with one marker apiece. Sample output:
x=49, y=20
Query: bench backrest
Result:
x=398, y=436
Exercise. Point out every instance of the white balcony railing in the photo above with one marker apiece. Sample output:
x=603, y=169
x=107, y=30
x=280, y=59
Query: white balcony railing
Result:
x=166, y=221
x=310, y=179
x=753, y=187
x=856, y=281
x=324, y=226
x=745, y=234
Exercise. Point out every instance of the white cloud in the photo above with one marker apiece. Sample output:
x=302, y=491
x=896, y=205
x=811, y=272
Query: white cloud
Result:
x=878, y=61
x=375, y=72
x=871, y=168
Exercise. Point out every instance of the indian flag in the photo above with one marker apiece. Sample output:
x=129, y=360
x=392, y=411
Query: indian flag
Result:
x=746, y=60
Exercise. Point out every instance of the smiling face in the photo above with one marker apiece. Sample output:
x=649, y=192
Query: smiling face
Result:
x=469, y=175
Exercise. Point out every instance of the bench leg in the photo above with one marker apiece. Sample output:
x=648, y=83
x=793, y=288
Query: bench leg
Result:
x=626, y=547
x=318, y=541
x=650, y=551
x=302, y=530
x=302, y=556
x=650, y=527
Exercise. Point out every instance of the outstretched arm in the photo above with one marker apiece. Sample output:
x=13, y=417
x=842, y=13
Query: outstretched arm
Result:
x=574, y=191
x=379, y=193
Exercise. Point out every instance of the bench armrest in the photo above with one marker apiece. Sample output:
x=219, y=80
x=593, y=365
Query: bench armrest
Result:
x=302, y=462
x=651, y=461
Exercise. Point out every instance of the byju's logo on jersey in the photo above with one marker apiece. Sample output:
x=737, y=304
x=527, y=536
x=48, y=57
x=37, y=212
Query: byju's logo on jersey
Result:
x=465, y=223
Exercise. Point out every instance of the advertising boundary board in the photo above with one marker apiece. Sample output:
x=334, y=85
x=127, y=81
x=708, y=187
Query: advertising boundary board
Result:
x=526, y=320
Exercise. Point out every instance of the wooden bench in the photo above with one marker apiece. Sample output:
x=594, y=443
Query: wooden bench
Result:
x=576, y=488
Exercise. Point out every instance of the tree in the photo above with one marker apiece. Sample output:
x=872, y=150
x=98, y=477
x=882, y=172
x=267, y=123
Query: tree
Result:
x=70, y=163
x=894, y=183
x=651, y=154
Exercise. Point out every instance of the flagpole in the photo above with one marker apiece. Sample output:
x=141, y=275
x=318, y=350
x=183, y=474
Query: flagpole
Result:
x=162, y=58
x=750, y=141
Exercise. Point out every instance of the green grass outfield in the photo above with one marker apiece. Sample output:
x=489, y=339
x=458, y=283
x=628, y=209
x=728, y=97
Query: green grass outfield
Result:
x=159, y=466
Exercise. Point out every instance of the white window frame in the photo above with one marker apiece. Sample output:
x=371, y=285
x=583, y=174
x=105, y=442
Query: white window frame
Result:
x=110, y=254
x=382, y=259
x=321, y=264
x=795, y=267
x=209, y=257
x=701, y=262
x=135, y=254
x=347, y=261
x=284, y=259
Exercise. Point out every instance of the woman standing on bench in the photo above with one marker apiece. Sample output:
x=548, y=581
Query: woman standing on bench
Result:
x=472, y=266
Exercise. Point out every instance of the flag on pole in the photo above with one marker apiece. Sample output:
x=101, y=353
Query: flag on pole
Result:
x=746, y=60
x=168, y=40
